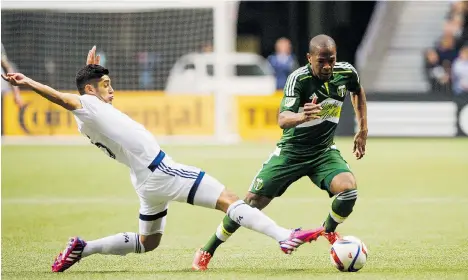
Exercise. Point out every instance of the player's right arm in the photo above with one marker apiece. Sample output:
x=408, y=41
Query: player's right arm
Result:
x=289, y=115
x=66, y=100
x=7, y=68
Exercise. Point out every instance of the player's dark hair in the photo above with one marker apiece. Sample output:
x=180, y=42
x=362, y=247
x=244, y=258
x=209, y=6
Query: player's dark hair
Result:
x=89, y=74
x=320, y=41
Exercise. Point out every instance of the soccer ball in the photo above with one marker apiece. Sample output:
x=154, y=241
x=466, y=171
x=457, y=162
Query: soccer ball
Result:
x=348, y=254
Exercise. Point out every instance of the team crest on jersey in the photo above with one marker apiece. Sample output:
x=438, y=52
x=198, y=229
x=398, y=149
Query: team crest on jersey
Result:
x=289, y=101
x=342, y=90
x=258, y=184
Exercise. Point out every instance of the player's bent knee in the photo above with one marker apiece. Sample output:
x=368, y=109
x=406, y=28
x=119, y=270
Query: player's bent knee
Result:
x=343, y=182
x=226, y=198
x=257, y=201
x=151, y=242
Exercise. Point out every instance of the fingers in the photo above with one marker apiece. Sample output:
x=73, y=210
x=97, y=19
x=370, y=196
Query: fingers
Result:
x=359, y=152
x=312, y=112
x=91, y=59
x=9, y=77
x=98, y=60
x=314, y=100
x=310, y=106
x=88, y=59
x=359, y=148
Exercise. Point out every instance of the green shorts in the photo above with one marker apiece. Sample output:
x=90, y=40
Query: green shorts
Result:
x=280, y=171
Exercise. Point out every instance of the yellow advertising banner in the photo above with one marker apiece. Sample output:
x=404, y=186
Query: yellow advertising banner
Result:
x=258, y=117
x=162, y=115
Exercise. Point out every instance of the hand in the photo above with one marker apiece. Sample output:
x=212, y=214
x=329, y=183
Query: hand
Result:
x=92, y=58
x=360, y=139
x=16, y=79
x=311, y=111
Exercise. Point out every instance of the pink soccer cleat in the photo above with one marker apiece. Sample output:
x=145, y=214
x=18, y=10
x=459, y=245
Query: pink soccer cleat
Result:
x=201, y=260
x=69, y=256
x=331, y=236
x=299, y=237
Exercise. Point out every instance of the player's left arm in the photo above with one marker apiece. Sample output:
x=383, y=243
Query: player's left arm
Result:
x=358, y=99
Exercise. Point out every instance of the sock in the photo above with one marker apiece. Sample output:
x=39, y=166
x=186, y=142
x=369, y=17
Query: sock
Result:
x=342, y=206
x=119, y=244
x=223, y=232
x=254, y=219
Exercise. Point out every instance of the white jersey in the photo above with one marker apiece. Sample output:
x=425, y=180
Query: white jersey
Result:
x=120, y=137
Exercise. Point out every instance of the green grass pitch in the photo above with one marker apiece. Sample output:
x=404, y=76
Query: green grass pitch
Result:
x=411, y=213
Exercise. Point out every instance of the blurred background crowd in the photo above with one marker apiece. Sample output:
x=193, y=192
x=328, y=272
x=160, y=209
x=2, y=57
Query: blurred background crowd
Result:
x=447, y=60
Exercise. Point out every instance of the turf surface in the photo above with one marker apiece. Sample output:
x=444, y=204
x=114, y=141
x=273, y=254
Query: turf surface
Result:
x=411, y=213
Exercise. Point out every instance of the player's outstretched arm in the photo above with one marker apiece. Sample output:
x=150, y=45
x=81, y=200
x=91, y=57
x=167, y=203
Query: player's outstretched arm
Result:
x=358, y=99
x=66, y=100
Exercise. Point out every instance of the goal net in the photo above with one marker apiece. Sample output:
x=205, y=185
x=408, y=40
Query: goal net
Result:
x=139, y=41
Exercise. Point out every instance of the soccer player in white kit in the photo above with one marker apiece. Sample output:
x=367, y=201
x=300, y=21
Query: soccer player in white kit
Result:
x=157, y=178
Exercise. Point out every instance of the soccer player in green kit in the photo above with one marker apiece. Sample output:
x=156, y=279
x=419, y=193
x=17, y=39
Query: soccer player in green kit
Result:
x=309, y=114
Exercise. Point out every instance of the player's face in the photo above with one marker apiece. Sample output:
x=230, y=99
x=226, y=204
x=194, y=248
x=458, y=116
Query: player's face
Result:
x=322, y=62
x=104, y=89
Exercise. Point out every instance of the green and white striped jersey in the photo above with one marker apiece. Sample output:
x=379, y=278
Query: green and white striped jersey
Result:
x=315, y=136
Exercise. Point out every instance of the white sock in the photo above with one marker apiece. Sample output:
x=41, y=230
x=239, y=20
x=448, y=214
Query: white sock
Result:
x=119, y=244
x=254, y=219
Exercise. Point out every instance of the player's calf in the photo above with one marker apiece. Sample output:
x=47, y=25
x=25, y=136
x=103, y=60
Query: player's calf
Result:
x=150, y=242
x=223, y=232
x=227, y=227
x=344, y=187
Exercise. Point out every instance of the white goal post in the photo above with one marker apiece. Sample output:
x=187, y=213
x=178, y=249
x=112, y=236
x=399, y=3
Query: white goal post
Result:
x=165, y=30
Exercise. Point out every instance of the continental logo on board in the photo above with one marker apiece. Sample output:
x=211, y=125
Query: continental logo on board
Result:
x=258, y=117
x=160, y=114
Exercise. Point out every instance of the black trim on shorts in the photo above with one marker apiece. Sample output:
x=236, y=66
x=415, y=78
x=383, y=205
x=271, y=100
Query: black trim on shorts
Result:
x=193, y=190
x=149, y=218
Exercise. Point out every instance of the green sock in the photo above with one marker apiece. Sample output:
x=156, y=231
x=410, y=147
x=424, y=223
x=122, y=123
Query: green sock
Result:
x=342, y=206
x=224, y=231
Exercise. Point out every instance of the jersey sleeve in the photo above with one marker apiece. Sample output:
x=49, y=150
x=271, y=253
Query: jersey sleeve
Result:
x=292, y=95
x=354, y=83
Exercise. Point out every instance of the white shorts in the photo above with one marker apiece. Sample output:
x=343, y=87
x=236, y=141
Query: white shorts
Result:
x=171, y=181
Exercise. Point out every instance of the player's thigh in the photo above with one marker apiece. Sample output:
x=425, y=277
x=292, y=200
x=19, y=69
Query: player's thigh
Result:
x=193, y=186
x=212, y=194
x=152, y=218
x=276, y=175
x=326, y=167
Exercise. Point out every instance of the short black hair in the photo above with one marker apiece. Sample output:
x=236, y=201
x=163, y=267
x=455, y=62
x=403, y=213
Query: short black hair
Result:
x=320, y=41
x=87, y=74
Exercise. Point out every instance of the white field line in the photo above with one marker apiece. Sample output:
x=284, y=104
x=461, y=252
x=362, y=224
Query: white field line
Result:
x=103, y=200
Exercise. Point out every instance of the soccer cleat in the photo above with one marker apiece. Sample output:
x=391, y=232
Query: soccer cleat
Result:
x=331, y=236
x=299, y=237
x=201, y=260
x=69, y=256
